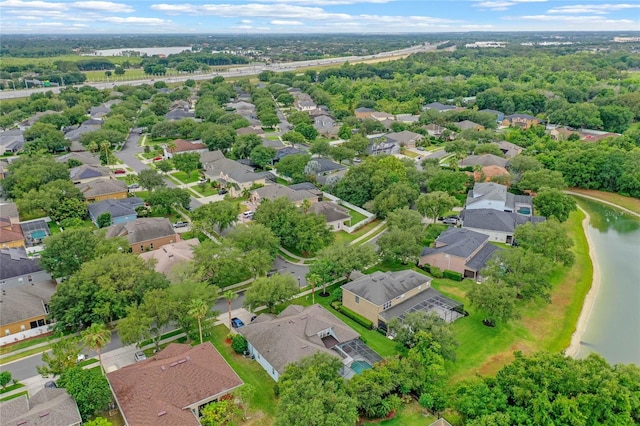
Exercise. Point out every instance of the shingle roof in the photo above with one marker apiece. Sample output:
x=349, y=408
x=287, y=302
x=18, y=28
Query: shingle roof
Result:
x=9, y=231
x=457, y=242
x=438, y=106
x=495, y=220
x=59, y=406
x=275, y=191
x=179, y=114
x=186, y=146
x=327, y=165
x=215, y=164
x=466, y=125
x=141, y=230
x=480, y=259
x=484, y=160
x=161, y=390
x=523, y=116
x=331, y=211
x=12, y=139
x=8, y=210
x=102, y=186
x=117, y=208
x=14, y=262
x=88, y=171
x=404, y=136
x=83, y=157
x=293, y=334
x=381, y=287
x=25, y=301
x=487, y=191
x=170, y=254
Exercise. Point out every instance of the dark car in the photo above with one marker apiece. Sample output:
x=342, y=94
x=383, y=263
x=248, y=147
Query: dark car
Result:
x=50, y=384
x=236, y=323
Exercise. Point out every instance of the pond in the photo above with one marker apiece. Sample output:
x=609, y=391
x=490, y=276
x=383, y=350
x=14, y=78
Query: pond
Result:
x=612, y=328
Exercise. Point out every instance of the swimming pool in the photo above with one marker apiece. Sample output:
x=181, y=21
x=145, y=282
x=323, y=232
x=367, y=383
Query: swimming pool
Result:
x=360, y=366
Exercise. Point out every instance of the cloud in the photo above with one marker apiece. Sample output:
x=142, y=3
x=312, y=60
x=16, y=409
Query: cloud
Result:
x=135, y=20
x=276, y=11
x=28, y=18
x=246, y=21
x=325, y=2
x=19, y=4
x=281, y=22
x=502, y=5
x=600, y=9
x=575, y=20
x=106, y=6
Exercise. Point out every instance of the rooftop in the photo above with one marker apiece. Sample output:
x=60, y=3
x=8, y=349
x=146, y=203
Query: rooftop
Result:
x=381, y=287
x=171, y=254
x=25, y=301
x=47, y=407
x=141, y=230
x=14, y=262
x=102, y=186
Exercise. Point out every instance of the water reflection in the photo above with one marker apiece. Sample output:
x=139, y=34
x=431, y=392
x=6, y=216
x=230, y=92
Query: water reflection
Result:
x=604, y=217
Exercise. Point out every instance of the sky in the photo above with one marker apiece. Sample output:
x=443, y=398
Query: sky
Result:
x=313, y=16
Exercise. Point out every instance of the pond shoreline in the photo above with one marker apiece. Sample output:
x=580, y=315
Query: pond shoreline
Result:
x=590, y=298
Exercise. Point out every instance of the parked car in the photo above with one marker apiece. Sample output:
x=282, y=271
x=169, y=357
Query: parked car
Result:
x=181, y=224
x=120, y=171
x=222, y=191
x=158, y=159
x=420, y=148
x=236, y=323
x=133, y=186
x=450, y=221
x=248, y=213
x=50, y=384
x=81, y=357
x=357, y=160
x=140, y=356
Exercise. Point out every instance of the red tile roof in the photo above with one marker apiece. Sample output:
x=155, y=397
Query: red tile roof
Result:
x=161, y=390
x=10, y=232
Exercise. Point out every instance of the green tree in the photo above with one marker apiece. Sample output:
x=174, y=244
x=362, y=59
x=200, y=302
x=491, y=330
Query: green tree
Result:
x=164, y=166
x=198, y=309
x=31, y=173
x=405, y=219
x=435, y=204
x=526, y=271
x=345, y=132
x=218, y=136
x=553, y=203
x=182, y=295
x=230, y=296
x=150, y=179
x=524, y=163
x=550, y=239
x=216, y=217
x=164, y=199
x=98, y=421
x=312, y=392
x=449, y=181
x=293, y=166
x=102, y=289
x=405, y=330
x=148, y=318
x=245, y=394
x=397, y=245
x=187, y=162
x=396, y=196
x=96, y=337
x=88, y=388
x=616, y=118
x=63, y=356
x=270, y=291
x=535, y=179
x=357, y=142
x=254, y=236
x=104, y=220
x=5, y=378
x=496, y=300
x=219, y=413
x=293, y=137
x=311, y=233
x=320, y=147
x=262, y=155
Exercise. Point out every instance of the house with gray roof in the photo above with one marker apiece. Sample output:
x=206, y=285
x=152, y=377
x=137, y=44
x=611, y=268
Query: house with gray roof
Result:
x=11, y=141
x=88, y=172
x=275, y=191
x=144, y=234
x=509, y=149
x=123, y=210
x=236, y=177
x=179, y=114
x=47, y=407
x=326, y=125
x=407, y=118
x=299, y=332
x=103, y=189
x=337, y=217
x=83, y=157
x=98, y=112
x=498, y=225
x=383, y=296
x=459, y=250
x=468, y=125
x=380, y=145
x=405, y=138
x=491, y=195
x=25, y=307
x=17, y=268
x=437, y=106
x=483, y=160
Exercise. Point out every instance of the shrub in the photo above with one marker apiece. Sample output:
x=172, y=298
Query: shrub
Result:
x=436, y=272
x=239, y=343
x=336, y=294
x=452, y=275
x=356, y=317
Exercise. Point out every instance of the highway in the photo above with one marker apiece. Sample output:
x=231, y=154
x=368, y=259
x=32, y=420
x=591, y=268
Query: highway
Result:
x=231, y=73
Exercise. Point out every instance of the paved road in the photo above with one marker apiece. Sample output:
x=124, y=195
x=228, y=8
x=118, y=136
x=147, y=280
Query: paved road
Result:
x=231, y=73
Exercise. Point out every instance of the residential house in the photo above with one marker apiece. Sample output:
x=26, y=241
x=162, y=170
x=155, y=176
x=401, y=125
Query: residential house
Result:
x=483, y=160
x=35, y=231
x=88, y=173
x=47, y=407
x=234, y=176
x=437, y=106
x=337, y=217
x=491, y=174
x=10, y=233
x=499, y=114
x=499, y=226
x=103, y=189
x=241, y=106
x=25, y=307
x=326, y=126
x=250, y=130
x=331, y=179
x=74, y=134
x=407, y=118
x=362, y=113
x=383, y=296
x=304, y=103
x=520, y=120
x=83, y=157
x=296, y=333
x=17, y=268
x=309, y=187
x=171, y=254
x=148, y=233
x=9, y=210
x=590, y=135
x=459, y=250
x=509, y=149
x=122, y=210
x=561, y=133
x=275, y=191
x=170, y=388
x=179, y=114
x=98, y=112
x=405, y=138
x=11, y=141
x=468, y=125
x=434, y=130
x=380, y=145
x=183, y=146
x=327, y=167
x=382, y=116
x=494, y=196
x=25, y=124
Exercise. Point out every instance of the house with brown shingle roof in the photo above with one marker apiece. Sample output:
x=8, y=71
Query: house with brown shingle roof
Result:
x=183, y=146
x=171, y=254
x=47, y=407
x=103, y=189
x=147, y=233
x=10, y=233
x=168, y=388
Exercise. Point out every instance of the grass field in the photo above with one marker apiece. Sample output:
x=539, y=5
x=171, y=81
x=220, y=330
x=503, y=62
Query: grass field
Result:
x=183, y=178
x=628, y=203
x=11, y=388
x=49, y=61
x=14, y=396
x=356, y=217
x=344, y=237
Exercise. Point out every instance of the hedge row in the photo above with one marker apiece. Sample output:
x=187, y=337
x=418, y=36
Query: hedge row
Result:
x=452, y=275
x=354, y=316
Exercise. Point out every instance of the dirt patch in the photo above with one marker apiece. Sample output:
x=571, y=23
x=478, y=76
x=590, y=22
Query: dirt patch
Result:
x=257, y=419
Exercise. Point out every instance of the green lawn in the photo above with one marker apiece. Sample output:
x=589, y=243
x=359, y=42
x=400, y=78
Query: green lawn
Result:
x=409, y=415
x=11, y=388
x=209, y=190
x=184, y=178
x=356, y=217
x=344, y=237
x=249, y=371
x=273, y=138
x=16, y=395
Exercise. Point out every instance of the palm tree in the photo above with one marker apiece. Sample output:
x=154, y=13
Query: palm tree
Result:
x=96, y=337
x=92, y=146
x=306, y=205
x=105, y=146
x=313, y=279
x=230, y=296
x=171, y=146
x=198, y=309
